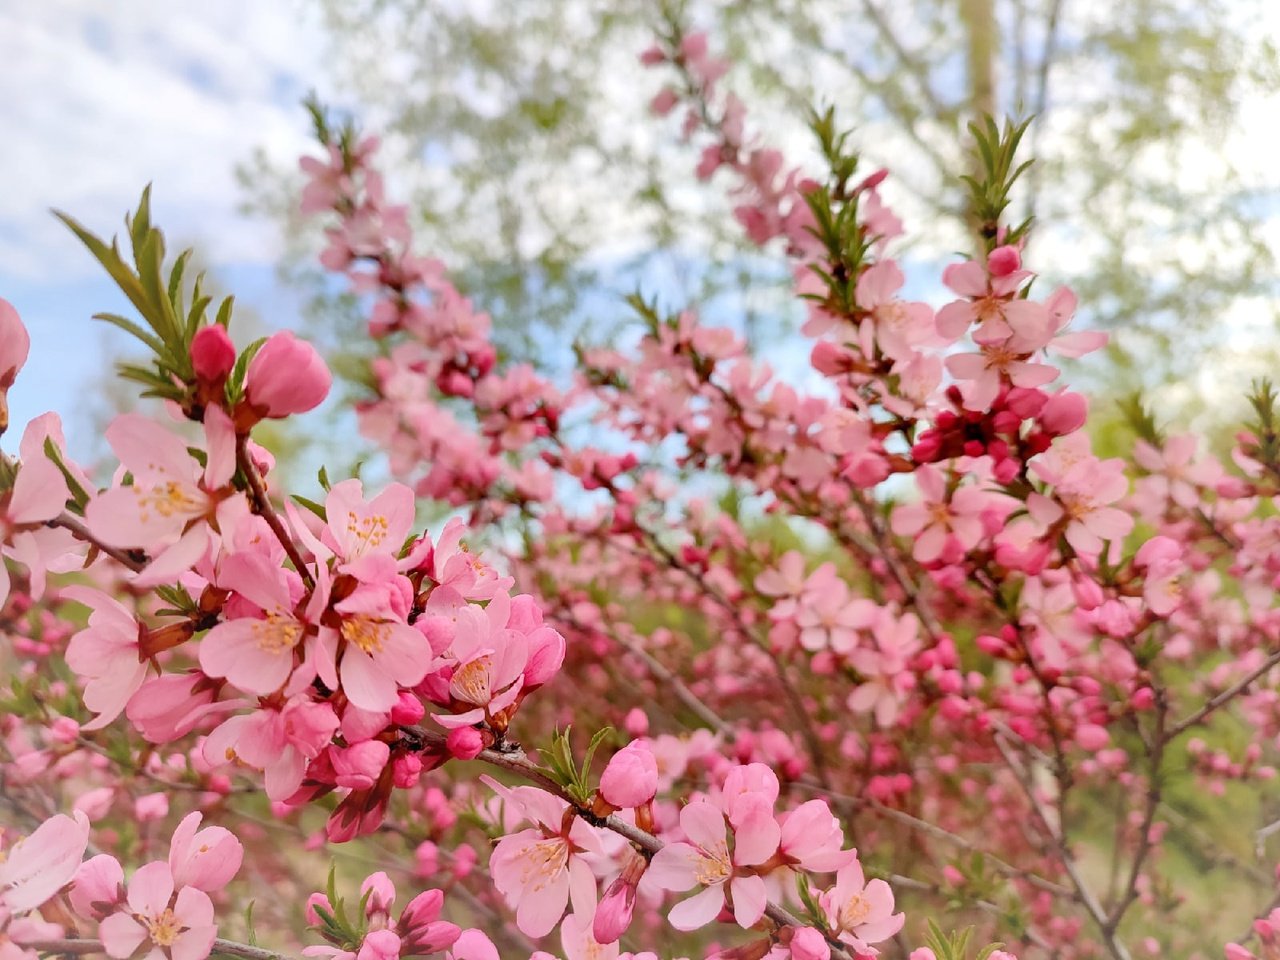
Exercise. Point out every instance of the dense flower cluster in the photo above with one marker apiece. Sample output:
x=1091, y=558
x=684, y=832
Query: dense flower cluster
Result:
x=922, y=612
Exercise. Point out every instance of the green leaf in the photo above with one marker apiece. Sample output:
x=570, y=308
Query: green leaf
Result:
x=131, y=328
x=78, y=493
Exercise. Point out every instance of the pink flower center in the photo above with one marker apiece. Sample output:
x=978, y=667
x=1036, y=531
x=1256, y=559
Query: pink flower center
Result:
x=368, y=533
x=366, y=633
x=713, y=866
x=163, y=929
x=541, y=862
x=855, y=911
x=473, y=681
x=167, y=499
x=276, y=634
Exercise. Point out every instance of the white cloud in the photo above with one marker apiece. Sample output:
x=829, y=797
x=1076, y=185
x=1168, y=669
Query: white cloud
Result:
x=99, y=99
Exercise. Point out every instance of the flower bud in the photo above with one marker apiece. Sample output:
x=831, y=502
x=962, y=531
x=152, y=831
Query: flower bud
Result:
x=15, y=343
x=631, y=777
x=465, y=743
x=379, y=894
x=358, y=766
x=1002, y=261
x=809, y=944
x=380, y=945
x=98, y=887
x=213, y=355
x=286, y=377
x=1064, y=413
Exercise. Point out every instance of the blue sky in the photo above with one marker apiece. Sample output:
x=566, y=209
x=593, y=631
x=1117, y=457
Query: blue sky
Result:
x=101, y=99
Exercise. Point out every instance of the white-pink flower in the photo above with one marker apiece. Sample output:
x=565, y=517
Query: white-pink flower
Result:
x=40, y=865
x=860, y=913
x=705, y=860
x=166, y=926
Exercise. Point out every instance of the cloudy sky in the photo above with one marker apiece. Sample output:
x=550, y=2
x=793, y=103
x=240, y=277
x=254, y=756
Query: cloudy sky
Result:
x=99, y=99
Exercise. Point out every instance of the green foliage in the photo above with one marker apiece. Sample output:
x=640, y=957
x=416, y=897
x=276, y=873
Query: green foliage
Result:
x=989, y=193
x=161, y=302
x=564, y=770
x=956, y=945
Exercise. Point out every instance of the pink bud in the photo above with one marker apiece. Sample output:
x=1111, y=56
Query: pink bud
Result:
x=213, y=355
x=406, y=768
x=64, y=730
x=1064, y=413
x=1002, y=261
x=1092, y=737
x=421, y=927
x=151, y=806
x=465, y=743
x=664, y=102
x=286, y=377
x=636, y=722
x=380, y=945
x=314, y=901
x=1234, y=951
x=380, y=893
x=408, y=709
x=358, y=766
x=652, y=56
x=631, y=777
x=809, y=944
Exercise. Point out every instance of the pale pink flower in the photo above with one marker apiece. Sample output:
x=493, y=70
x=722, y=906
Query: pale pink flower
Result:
x=98, y=889
x=40, y=865
x=278, y=741
x=106, y=655
x=705, y=860
x=173, y=498
x=39, y=493
x=165, y=926
x=941, y=527
x=380, y=652
x=858, y=912
x=259, y=653
x=539, y=870
x=897, y=327
x=207, y=859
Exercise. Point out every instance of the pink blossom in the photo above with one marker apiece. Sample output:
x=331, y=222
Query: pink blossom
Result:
x=858, y=912
x=279, y=741
x=167, y=927
x=106, y=654
x=206, y=860
x=705, y=860
x=286, y=376
x=540, y=869
x=40, y=865
x=172, y=496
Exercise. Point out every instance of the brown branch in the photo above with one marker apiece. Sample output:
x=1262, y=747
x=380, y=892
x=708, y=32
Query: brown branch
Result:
x=1222, y=698
x=263, y=508
x=1100, y=918
x=81, y=947
x=75, y=526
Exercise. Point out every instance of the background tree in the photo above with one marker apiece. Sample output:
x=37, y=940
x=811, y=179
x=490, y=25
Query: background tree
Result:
x=519, y=132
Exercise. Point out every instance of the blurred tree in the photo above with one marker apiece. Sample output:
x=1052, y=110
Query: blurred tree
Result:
x=521, y=131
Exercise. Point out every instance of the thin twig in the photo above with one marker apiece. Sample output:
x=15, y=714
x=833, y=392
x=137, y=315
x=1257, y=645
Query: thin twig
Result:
x=1222, y=698
x=80, y=947
x=263, y=508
